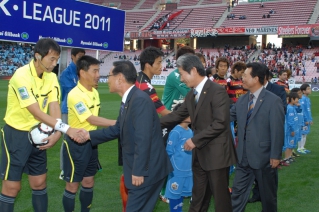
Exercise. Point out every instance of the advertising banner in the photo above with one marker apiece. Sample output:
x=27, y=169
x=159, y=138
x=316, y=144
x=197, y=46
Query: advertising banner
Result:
x=161, y=34
x=70, y=23
x=204, y=32
x=261, y=30
x=307, y=29
x=230, y=30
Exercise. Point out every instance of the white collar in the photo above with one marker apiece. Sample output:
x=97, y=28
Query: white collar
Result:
x=126, y=94
x=200, y=86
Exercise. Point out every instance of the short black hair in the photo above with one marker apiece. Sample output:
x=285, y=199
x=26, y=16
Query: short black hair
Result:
x=184, y=50
x=238, y=66
x=127, y=69
x=149, y=55
x=292, y=95
x=282, y=71
x=209, y=71
x=75, y=51
x=85, y=62
x=304, y=86
x=295, y=90
x=44, y=45
x=257, y=71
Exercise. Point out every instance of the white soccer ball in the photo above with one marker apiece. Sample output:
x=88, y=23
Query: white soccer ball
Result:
x=38, y=133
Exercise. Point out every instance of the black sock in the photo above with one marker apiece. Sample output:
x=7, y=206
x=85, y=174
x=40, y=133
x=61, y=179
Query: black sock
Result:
x=68, y=201
x=6, y=203
x=40, y=200
x=86, y=196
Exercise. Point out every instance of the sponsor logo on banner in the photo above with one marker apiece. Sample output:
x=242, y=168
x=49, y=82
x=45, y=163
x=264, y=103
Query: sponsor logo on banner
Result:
x=179, y=33
x=307, y=29
x=231, y=30
x=261, y=30
x=204, y=32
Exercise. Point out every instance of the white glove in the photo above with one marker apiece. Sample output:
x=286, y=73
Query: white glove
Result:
x=176, y=102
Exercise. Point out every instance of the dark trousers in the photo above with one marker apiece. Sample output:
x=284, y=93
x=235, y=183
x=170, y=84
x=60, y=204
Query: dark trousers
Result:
x=208, y=183
x=145, y=198
x=267, y=179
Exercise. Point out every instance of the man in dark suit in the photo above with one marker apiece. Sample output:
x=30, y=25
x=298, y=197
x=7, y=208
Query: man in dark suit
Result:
x=280, y=92
x=260, y=119
x=207, y=104
x=145, y=161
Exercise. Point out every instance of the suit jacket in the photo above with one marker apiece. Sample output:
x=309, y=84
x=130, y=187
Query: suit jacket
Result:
x=140, y=133
x=211, y=126
x=265, y=130
x=279, y=91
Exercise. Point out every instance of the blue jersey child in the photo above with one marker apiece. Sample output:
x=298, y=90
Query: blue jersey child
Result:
x=291, y=126
x=306, y=108
x=180, y=181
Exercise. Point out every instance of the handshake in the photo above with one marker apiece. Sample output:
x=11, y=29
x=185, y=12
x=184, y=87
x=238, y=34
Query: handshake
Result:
x=78, y=135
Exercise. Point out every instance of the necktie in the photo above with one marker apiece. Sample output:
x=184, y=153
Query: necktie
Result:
x=195, y=96
x=122, y=107
x=250, y=107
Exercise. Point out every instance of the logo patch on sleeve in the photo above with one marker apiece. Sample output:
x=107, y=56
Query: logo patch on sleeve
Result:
x=80, y=107
x=23, y=93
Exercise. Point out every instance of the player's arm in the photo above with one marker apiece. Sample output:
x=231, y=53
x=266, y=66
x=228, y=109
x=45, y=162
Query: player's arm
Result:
x=58, y=125
x=55, y=112
x=100, y=121
x=164, y=112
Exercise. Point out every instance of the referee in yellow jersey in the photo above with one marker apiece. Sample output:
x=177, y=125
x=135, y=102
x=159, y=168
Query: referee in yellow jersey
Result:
x=33, y=97
x=80, y=160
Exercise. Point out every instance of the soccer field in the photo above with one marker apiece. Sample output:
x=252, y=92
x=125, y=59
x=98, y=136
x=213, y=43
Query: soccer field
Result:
x=298, y=183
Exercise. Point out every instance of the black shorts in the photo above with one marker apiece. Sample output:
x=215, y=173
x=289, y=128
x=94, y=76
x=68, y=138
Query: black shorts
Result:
x=18, y=155
x=79, y=160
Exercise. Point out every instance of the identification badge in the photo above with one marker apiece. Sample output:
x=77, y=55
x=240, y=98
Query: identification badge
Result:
x=23, y=93
x=80, y=107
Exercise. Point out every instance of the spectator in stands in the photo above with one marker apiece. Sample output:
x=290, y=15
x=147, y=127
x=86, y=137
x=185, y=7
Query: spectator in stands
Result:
x=68, y=80
x=272, y=11
x=262, y=4
x=315, y=80
x=264, y=15
x=268, y=15
x=303, y=71
x=232, y=3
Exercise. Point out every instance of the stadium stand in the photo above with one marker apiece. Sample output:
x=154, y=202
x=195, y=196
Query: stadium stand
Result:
x=136, y=20
x=13, y=56
x=187, y=3
x=211, y=2
x=148, y=4
x=202, y=17
x=288, y=12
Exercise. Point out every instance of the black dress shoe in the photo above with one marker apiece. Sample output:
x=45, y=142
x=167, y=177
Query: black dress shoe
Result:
x=254, y=199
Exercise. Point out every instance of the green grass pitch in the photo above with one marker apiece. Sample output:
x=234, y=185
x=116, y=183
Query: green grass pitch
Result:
x=298, y=184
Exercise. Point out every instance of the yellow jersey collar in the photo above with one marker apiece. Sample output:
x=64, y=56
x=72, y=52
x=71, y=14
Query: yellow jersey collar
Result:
x=82, y=88
x=34, y=71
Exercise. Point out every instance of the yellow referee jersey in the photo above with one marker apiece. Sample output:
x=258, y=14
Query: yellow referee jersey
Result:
x=25, y=89
x=81, y=105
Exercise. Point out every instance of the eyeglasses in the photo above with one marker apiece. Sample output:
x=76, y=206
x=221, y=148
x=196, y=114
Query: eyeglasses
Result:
x=107, y=76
